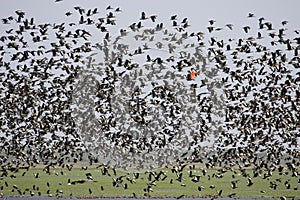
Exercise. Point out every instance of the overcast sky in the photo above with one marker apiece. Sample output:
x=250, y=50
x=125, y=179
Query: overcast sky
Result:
x=198, y=12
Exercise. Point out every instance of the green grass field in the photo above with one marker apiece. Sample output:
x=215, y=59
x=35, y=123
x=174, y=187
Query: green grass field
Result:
x=157, y=183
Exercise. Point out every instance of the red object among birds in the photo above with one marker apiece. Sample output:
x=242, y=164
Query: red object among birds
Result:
x=193, y=75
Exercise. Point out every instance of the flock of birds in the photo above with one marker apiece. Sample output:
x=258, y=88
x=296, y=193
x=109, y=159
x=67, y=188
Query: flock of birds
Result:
x=154, y=94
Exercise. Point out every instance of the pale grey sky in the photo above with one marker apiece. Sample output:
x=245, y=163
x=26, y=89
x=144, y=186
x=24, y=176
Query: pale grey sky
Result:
x=198, y=12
